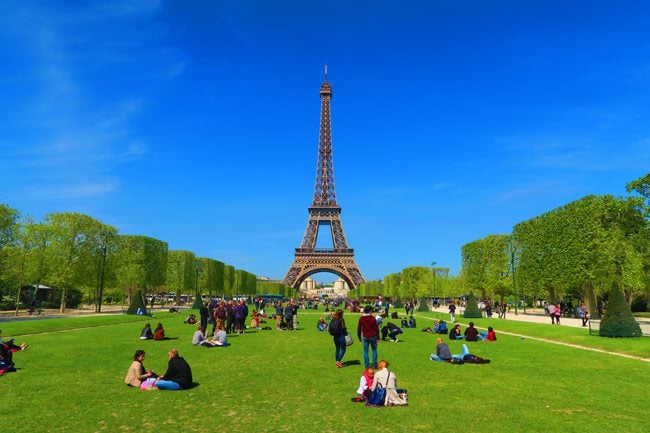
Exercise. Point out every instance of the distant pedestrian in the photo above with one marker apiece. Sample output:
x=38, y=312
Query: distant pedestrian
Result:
x=452, y=312
x=558, y=314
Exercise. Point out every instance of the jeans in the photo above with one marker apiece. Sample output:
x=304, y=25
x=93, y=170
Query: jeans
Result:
x=339, y=342
x=372, y=342
x=169, y=385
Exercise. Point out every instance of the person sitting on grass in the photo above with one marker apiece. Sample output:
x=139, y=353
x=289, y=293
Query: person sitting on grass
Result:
x=491, y=335
x=190, y=320
x=321, y=325
x=137, y=373
x=11, y=346
x=199, y=339
x=146, y=333
x=178, y=375
x=385, y=377
x=220, y=336
x=443, y=354
x=441, y=328
x=365, y=383
x=471, y=333
x=159, y=333
x=454, y=333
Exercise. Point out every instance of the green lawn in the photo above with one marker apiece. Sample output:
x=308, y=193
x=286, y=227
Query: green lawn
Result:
x=71, y=379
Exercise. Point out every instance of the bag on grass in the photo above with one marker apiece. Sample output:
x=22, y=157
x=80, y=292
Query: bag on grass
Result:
x=378, y=396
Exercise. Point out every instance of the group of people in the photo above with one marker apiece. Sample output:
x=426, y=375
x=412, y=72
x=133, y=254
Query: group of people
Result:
x=157, y=334
x=378, y=387
x=472, y=334
x=219, y=339
x=232, y=314
x=286, y=317
x=178, y=375
x=367, y=333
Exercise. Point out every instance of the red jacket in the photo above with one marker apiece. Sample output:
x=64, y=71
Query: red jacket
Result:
x=367, y=327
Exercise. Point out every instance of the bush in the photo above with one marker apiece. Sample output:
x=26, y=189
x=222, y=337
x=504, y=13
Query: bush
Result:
x=7, y=303
x=137, y=301
x=471, y=308
x=618, y=320
x=423, y=305
x=640, y=304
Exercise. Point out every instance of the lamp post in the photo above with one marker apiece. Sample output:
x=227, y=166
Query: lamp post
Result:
x=433, y=270
x=512, y=272
x=104, y=236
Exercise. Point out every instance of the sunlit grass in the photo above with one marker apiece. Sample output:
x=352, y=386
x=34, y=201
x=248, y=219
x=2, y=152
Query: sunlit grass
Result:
x=270, y=381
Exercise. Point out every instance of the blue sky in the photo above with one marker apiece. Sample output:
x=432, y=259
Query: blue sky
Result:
x=196, y=122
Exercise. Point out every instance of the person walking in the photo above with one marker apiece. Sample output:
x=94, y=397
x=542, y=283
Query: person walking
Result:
x=452, y=312
x=338, y=331
x=368, y=332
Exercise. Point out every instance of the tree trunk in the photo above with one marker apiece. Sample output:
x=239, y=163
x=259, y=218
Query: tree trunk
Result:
x=591, y=300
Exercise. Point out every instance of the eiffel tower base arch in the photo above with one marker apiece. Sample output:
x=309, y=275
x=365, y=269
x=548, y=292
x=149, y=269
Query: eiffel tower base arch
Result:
x=307, y=264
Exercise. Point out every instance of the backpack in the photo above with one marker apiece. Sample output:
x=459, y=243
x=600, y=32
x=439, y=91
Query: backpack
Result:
x=335, y=327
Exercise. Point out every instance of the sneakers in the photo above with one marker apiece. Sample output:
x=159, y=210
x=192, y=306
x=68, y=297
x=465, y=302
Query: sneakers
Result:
x=358, y=399
x=395, y=340
x=338, y=364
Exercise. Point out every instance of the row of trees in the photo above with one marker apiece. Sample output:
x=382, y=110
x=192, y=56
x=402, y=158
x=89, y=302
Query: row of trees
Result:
x=577, y=251
x=413, y=283
x=74, y=253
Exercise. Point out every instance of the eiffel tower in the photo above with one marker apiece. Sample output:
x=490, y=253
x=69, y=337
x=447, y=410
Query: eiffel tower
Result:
x=324, y=211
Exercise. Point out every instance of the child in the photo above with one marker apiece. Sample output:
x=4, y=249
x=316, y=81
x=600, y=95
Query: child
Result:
x=365, y=383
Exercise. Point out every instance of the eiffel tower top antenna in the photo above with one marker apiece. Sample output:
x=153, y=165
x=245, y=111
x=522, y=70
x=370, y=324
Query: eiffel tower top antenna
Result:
x=325, y=71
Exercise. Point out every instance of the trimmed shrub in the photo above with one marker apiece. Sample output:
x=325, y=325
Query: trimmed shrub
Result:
x=618, y=320
x=137, y=302
x=471, y=308
x=423, y=305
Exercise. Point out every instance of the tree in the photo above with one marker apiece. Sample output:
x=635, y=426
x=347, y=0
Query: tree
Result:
x=415, y=282
x=8, y=228
x=582, y=244
x=618, y=320
x=228, y=280
x=73, y=248
x=486, y=265
x=142, y=263
x=181, y=271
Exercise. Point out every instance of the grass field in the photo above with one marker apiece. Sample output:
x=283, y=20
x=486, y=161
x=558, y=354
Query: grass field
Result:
x=71, y=380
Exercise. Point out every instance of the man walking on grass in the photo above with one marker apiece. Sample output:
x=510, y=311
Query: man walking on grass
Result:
x=368, y=332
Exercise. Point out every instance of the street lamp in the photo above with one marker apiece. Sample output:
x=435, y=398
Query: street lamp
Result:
x=433, y=270
x=104, y=236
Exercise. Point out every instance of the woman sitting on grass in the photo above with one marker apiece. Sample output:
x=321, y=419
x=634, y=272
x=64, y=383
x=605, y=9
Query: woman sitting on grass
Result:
x=159, y=333
x=454, y=334
x=386, y=378
x=146, y=333
x=365, y=383
x=137, y=373
x=220, y=336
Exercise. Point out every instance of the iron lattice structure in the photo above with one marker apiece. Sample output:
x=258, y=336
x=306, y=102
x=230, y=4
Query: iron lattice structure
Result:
x=324, y=211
